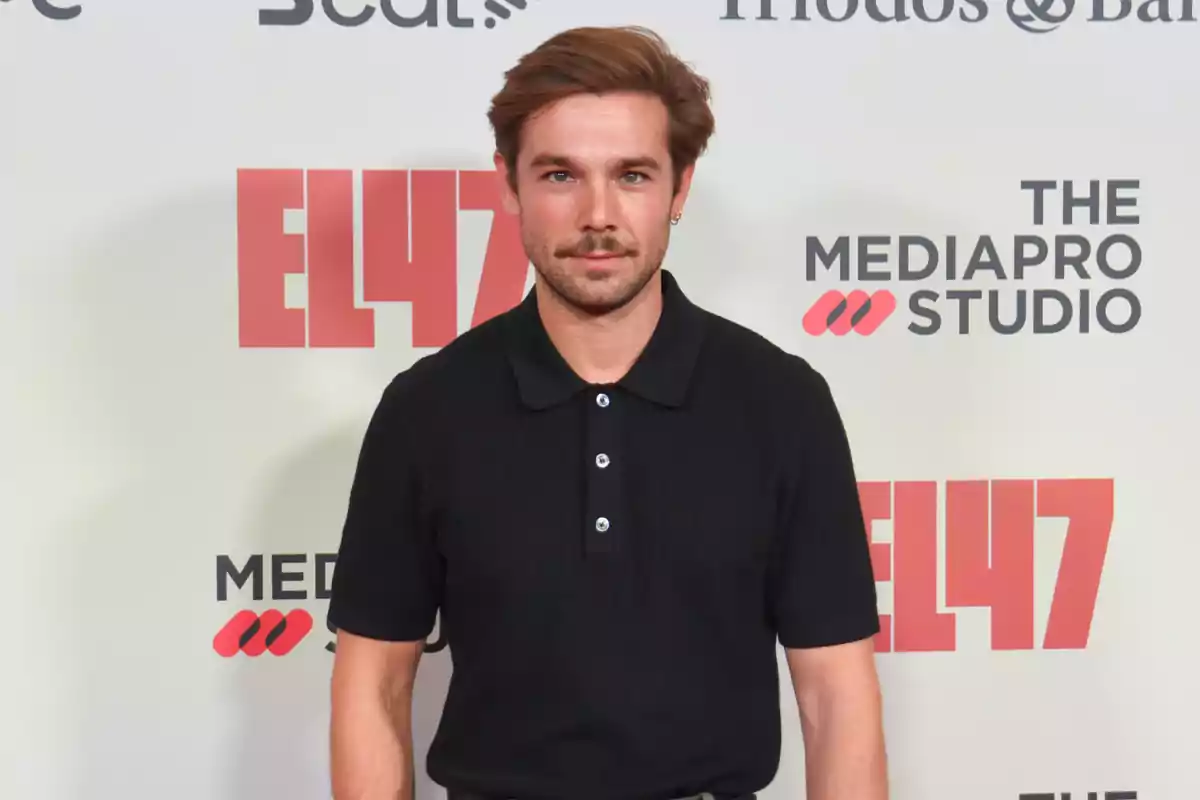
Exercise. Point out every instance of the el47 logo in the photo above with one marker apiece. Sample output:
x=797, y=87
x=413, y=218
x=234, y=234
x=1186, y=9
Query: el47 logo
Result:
x=417, y=266
x=989, y=558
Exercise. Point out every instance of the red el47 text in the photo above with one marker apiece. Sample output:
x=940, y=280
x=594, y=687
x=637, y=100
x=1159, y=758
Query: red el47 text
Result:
x=989, y=558
x=420, y=269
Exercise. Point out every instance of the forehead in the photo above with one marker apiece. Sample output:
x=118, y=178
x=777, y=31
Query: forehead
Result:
x=589, y=126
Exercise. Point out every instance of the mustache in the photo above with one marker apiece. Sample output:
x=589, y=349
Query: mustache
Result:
x=593, y=243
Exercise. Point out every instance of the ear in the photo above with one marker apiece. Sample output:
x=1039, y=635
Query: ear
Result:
x=509, y=197
x=685, y=186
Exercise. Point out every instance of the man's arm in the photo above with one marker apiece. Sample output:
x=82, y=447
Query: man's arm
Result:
x=824, y=599
x=371, y=755
x=841, y=717
x=386, y=591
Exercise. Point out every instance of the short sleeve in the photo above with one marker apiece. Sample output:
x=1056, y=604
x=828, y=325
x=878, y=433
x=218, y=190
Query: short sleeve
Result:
x=388, y=575
x=822, y=585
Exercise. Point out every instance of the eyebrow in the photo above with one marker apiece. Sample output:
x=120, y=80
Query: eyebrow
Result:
x=637, y=162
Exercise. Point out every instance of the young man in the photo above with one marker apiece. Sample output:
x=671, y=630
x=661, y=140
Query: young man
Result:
x=618, y=501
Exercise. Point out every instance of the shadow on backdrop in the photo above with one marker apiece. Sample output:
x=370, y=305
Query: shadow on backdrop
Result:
x=155, y=302
x=229, y=451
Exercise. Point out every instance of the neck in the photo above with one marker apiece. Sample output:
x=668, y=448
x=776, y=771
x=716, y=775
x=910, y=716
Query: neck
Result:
x=601, y=349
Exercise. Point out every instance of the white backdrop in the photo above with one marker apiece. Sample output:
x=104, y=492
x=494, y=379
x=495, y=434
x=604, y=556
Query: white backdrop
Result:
x=142, y=442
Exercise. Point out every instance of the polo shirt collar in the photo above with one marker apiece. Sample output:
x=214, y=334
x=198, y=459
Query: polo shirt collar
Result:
x=661, y=374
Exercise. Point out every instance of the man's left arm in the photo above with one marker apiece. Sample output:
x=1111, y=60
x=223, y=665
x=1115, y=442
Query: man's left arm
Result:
x=841, y=719
x=824, y=604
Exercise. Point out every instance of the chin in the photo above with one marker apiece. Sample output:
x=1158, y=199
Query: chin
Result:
x=604, y=293
x=598, y=286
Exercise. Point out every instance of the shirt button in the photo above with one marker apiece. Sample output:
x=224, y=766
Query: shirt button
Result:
x=602, y=460
x=602, y=400
x=602, y=524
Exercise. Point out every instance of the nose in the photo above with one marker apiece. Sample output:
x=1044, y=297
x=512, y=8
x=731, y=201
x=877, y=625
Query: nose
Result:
x=598, y=210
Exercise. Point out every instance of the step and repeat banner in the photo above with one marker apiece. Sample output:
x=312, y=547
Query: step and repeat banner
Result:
x=977, y=218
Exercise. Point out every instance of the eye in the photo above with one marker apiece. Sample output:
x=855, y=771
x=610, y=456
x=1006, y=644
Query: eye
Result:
x=553, y=176
x=636, y=177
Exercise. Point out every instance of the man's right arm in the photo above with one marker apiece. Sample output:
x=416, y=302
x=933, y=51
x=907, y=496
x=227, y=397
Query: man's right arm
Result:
x=371, y=752
x=385, y=594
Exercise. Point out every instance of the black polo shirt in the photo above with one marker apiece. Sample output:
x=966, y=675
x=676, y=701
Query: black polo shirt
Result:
x=614, y=564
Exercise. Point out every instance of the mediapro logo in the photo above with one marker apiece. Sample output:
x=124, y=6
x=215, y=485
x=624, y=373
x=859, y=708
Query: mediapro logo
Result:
x=1032, y=16
x=293, y=578
x=255, y=633
x=1079, y=280
x=352, y=13
x=840, y=312
x=50, y=10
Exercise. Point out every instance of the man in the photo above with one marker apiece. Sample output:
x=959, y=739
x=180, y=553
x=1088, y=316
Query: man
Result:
x=619, y=502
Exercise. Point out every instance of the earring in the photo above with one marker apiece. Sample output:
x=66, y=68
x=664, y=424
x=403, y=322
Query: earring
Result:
x=675, y=219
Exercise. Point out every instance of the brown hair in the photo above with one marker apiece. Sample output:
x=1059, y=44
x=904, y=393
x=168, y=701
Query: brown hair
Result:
x=597, y=60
